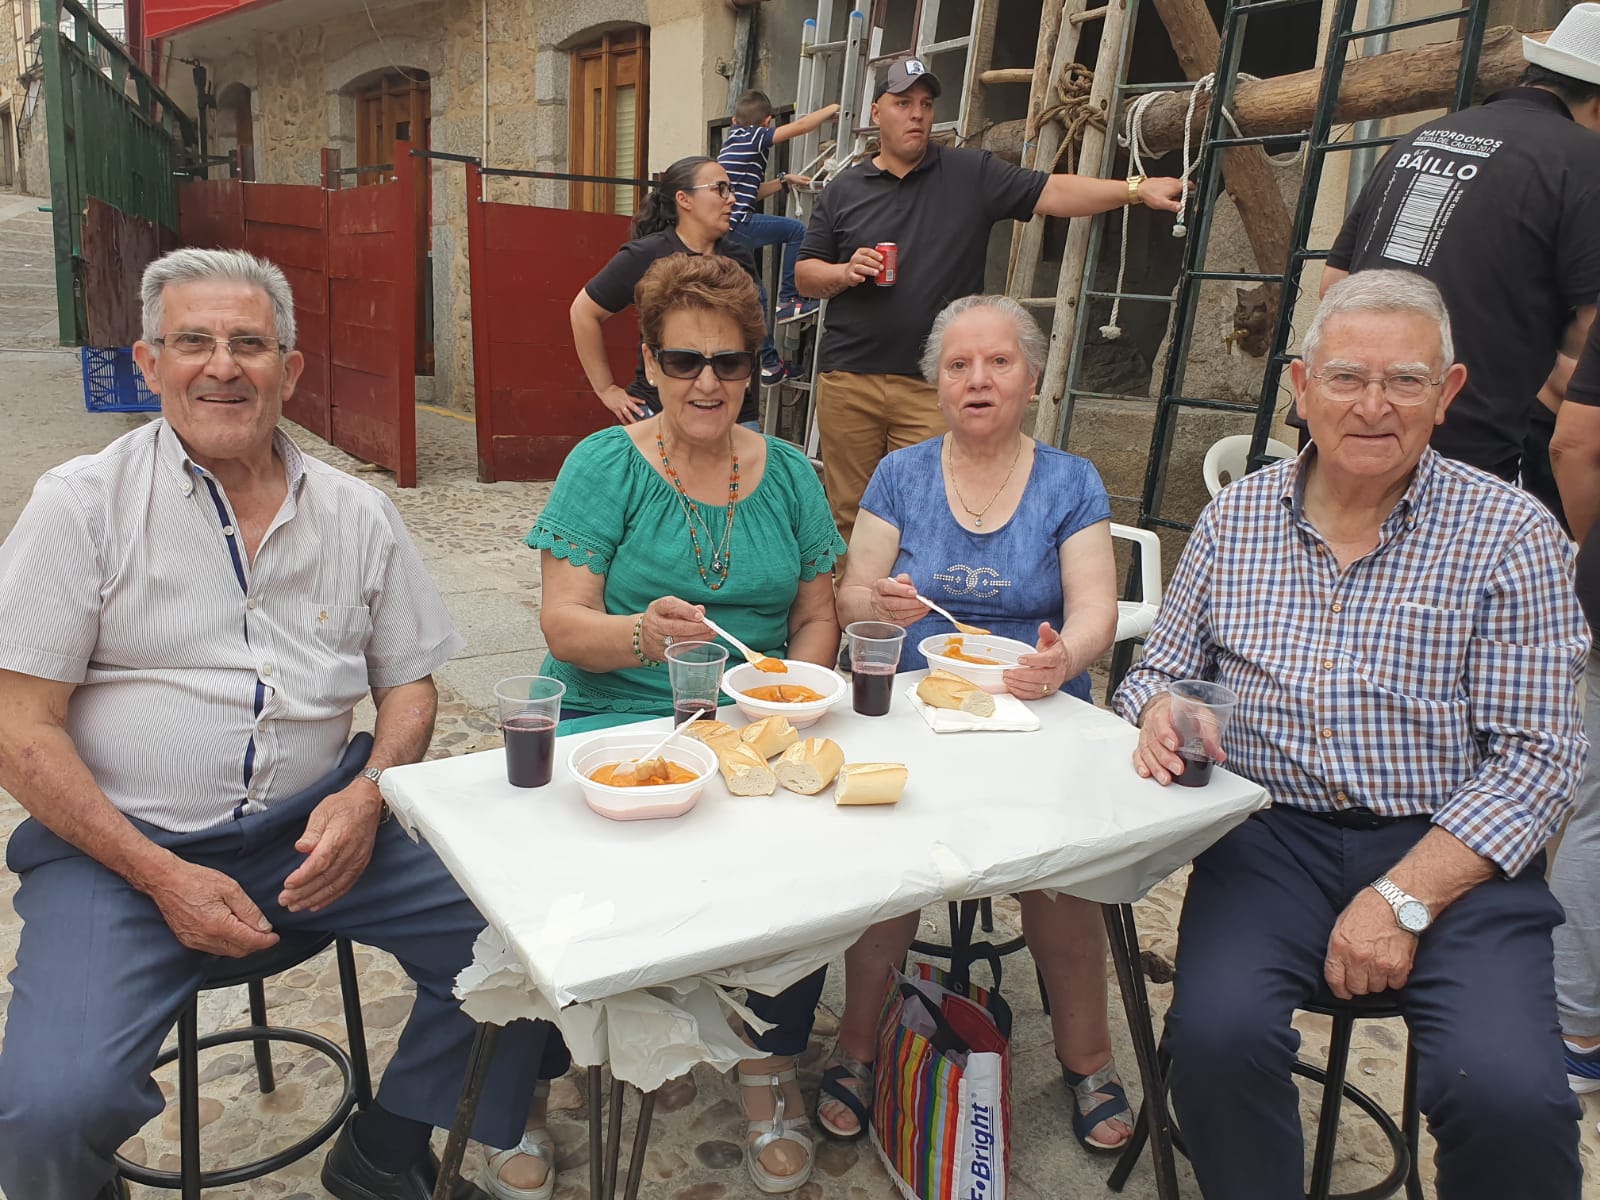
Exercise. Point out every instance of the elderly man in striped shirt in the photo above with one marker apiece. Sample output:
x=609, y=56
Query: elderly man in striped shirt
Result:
x=187, y=620
x=1403, y=636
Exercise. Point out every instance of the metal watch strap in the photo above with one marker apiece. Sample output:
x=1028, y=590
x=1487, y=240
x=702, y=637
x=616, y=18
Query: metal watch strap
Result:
x=1397, y=896
x=376, y=775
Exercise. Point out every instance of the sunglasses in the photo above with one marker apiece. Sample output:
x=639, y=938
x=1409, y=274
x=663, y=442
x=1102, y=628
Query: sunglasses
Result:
x=730, y=366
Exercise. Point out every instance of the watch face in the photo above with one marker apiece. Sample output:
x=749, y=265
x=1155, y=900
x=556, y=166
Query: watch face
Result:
x=1414, y=916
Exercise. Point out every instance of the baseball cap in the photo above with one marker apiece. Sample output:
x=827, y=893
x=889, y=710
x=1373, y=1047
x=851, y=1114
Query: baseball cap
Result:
x=904, y=72
x=1573, y=48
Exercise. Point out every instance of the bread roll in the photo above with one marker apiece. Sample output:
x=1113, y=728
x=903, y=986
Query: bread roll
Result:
x=769, y=736
x=809, y=766
x=717, y=734
x=746, y=772
x=941, y=689
x=870, y=783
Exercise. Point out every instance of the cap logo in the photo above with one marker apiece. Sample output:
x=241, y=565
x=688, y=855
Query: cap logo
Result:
x=914, y=66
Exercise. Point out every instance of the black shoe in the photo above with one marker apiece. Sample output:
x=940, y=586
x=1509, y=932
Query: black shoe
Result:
x=347, y=1174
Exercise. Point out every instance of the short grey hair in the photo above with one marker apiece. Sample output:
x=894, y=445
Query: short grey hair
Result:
x=1381, y=292
x=1029, y=336
x=191, y=265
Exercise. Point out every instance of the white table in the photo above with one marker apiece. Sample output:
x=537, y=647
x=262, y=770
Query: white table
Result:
x=624, y=933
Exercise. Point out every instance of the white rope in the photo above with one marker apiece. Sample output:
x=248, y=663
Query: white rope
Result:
x=1132, y=138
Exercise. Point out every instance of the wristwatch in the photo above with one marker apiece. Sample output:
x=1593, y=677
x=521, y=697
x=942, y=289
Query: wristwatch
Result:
x=372, y=773
x=1134, y=182
x=1410, y=914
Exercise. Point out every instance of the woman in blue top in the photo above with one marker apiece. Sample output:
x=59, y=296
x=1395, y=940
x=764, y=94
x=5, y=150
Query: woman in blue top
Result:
x=1015, y=537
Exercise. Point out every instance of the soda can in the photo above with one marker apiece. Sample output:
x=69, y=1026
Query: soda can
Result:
x=891, y=263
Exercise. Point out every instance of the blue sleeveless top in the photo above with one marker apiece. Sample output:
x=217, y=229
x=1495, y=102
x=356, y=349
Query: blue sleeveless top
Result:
x=1006, y=579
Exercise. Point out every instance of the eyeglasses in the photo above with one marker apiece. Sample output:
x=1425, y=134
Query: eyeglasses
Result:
x=246, y=347
x=721, y=187
x=1403, y=387
x=730, y=366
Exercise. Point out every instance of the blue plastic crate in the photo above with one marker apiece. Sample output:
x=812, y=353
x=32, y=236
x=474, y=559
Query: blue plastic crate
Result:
x=112, y=382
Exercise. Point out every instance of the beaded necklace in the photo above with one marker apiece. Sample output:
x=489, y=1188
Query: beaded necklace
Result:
x=721, y=554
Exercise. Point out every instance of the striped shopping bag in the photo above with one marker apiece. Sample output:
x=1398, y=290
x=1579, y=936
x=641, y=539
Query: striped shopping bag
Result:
x=941, y=1114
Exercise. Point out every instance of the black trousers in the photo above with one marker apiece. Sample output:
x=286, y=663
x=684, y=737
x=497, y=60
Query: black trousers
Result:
x=1480, y=1006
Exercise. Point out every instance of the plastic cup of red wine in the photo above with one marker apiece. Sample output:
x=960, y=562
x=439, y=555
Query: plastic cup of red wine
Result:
x=530, y=706
x=695, y=671
x=874, y=658
x=1200, y=714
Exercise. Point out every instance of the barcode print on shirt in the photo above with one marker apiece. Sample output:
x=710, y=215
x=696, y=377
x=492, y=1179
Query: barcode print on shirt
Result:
x=1417, y=225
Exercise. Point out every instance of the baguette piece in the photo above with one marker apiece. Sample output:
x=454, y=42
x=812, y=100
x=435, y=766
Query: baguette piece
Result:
x=870, y=783
x=746, y=772
x=809, y=766
x=719, y=735
x=769, y=736
x=941, y=689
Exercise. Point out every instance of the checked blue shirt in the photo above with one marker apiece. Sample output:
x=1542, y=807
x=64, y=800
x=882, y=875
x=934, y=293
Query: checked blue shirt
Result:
x=1437, y=675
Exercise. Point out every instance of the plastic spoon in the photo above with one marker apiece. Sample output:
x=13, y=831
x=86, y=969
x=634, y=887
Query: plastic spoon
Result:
x=630, y=770
x=761, y=662
x=961, y=625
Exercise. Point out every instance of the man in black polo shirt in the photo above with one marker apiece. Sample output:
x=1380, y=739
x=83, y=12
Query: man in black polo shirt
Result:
x=937, y=205
x=1500, y=207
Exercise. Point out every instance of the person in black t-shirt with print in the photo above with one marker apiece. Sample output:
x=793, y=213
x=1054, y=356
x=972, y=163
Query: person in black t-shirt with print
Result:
x=686, y=213
x=937, y=205
x=1499, y=206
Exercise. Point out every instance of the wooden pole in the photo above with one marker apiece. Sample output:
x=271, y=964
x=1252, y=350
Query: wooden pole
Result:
x=1246, y=173
x=1385, y=85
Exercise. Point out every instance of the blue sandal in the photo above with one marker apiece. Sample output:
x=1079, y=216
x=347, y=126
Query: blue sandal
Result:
x=849, y=1082
x=1089, y=1110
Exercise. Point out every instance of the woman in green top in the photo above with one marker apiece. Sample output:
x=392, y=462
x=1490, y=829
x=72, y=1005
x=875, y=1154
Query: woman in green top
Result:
x=652, y=526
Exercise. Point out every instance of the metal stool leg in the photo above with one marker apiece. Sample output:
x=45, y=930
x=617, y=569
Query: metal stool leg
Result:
x=355, y=1028
x=596, y=1135
x=262, y=1047
x=1411, y=1121
x=189, y=1100
x=1123, y=935
x=1332, y=1099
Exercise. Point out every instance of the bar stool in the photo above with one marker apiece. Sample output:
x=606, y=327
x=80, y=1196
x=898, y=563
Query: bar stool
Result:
x=1403, y=1138
x=291, y=951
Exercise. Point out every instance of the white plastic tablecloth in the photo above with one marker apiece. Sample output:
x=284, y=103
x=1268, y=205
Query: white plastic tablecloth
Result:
x=628, y=934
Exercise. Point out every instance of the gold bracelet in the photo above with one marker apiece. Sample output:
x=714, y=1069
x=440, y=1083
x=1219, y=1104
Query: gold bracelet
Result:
x=1134, y=181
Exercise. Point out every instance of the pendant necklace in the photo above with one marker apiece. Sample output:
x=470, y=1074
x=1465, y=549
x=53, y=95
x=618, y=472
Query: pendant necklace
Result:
x=977, y=514
x=721, y=552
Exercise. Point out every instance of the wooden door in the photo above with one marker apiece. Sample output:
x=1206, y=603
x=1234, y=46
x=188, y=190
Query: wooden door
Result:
x=398, y=108
x=610, y=119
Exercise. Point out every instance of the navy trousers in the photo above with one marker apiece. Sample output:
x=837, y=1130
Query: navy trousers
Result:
x=1480, y=1006
x=100, y=979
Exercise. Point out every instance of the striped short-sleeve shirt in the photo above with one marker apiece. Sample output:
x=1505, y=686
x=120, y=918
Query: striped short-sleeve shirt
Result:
x=744, y=157
x=209, y=686
x=1437, y=675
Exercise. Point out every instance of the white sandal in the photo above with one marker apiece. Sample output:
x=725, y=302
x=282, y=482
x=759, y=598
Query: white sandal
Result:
x=535, y=1142
x=772, y=1130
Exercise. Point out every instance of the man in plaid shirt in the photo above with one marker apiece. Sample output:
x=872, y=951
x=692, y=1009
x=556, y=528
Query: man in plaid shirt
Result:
x=1403, y=637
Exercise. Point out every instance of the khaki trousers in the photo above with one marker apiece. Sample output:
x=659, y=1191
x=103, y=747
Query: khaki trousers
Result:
x=860, y=418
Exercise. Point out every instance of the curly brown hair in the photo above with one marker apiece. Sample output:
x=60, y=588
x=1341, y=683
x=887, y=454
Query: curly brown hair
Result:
x=708, y=282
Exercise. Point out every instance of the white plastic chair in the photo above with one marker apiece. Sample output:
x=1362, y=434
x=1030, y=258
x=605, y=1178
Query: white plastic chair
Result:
x=1135, y=618
x=1230, y=456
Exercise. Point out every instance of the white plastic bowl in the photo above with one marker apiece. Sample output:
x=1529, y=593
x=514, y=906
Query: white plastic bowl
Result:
x=990, y=679
x=819, y=679
x=640, y=803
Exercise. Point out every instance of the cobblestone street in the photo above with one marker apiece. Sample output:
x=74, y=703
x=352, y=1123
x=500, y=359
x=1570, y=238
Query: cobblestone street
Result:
x=470, y=538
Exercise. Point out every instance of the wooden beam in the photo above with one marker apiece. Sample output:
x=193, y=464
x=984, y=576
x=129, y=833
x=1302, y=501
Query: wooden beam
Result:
x=1246, y=173
x=1385, y=85
x=1006, y=75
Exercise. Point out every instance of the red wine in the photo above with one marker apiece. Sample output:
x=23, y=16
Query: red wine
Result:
x=872, y=687
x=684, y=709
x=530, y=751
x=1196, y=772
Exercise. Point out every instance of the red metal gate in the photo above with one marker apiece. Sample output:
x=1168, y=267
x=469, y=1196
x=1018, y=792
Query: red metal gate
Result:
x=354, y=296
x=372, y=304
x=533, y=401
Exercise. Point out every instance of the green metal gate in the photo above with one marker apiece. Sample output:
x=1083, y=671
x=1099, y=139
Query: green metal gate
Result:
x=114, y=136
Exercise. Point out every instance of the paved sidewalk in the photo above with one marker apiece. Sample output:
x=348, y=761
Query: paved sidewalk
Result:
x=469, y=535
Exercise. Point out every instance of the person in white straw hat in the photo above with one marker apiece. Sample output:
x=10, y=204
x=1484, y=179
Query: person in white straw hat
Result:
x=1499, y=206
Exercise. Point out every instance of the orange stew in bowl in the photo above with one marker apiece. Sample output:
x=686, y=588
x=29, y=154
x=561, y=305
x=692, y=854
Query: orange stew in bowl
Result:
x=783, y=693
x=952, y=649
x=653, y=773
